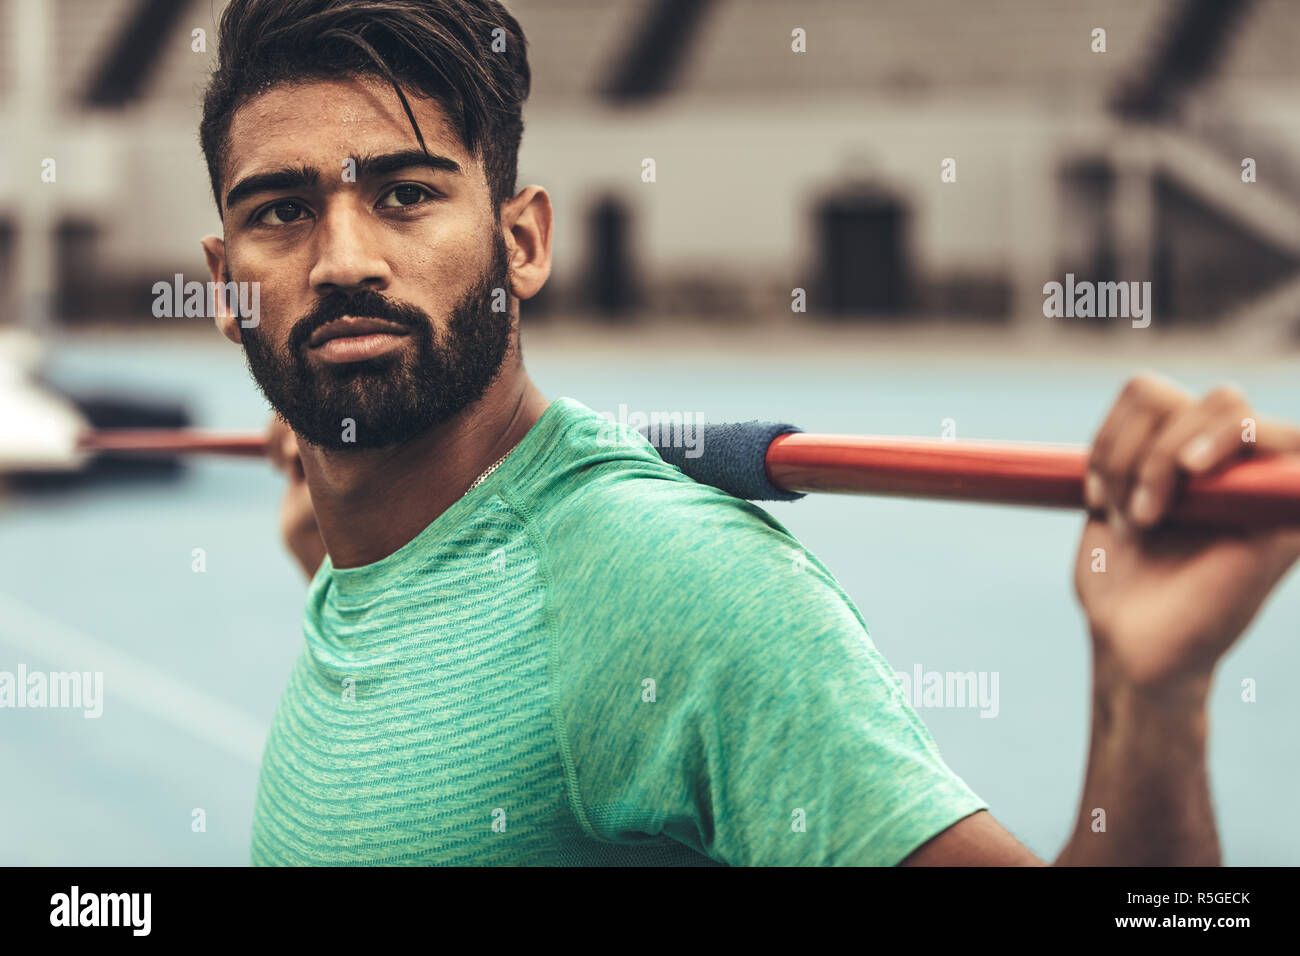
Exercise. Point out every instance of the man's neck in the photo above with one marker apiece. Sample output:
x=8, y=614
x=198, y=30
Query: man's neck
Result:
x=371, y=502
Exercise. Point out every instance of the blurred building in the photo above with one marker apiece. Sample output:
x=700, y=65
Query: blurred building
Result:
x=774, y=169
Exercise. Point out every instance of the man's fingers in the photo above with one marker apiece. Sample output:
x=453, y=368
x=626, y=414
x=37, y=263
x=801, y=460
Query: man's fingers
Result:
x=1274, y=437
x=1120, y=465
x=1159, y=471
x=1155, y=431
x=1142, y=408
x=1222, y=437
x=1203, y=433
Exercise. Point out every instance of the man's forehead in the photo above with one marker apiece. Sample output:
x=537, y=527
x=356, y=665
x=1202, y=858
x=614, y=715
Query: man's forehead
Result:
x=326, y=121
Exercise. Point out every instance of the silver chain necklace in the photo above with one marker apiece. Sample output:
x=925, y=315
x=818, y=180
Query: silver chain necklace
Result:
x=491, y=468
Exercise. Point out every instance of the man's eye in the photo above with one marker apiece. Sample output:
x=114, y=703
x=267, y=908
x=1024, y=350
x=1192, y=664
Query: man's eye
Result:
x=281, y=213
x=405, y=195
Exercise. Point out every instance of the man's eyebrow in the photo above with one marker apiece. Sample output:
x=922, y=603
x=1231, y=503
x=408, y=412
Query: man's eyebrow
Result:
x=381, y=163
x=373, y=165
x=278, y=179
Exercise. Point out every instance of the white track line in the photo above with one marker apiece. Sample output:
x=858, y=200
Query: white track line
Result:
x=127, y=680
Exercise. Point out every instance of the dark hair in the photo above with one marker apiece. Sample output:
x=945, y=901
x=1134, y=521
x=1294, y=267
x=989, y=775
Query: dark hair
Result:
x=442, y=49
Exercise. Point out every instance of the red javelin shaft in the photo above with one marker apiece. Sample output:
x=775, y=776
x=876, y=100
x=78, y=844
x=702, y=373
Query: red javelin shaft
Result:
x=174, y=441
x=1251, y=494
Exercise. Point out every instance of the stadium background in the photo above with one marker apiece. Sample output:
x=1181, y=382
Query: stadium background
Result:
x=775, y=170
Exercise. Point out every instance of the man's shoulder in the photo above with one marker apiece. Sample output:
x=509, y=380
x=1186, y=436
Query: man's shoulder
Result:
x=628, y=542
x=653, y=552
x=649, y=511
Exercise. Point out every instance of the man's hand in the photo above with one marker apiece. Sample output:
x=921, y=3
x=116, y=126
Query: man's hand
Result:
x=297, y=517
x=1163, y=604
x=1171, y=601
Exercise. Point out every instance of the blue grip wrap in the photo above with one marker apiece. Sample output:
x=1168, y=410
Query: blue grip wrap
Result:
x=731, y=456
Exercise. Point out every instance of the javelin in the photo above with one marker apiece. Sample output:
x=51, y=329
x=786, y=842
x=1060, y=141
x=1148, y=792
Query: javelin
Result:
x=772, y=462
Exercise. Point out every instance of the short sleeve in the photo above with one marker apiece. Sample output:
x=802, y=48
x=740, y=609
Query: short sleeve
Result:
x=715, y=686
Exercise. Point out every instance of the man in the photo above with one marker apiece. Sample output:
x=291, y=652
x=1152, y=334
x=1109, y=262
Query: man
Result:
x=530, y=642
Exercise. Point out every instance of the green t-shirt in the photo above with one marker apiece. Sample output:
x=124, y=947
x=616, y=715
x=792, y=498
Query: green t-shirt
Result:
x=592, y=659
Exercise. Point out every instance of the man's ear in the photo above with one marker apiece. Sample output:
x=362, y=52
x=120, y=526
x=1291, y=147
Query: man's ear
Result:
x=214, y=250
x=526, y=220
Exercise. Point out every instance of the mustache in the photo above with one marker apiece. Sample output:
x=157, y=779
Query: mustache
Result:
x=359, y=303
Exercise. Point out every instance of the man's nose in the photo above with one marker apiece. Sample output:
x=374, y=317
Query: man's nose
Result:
x=347, y=253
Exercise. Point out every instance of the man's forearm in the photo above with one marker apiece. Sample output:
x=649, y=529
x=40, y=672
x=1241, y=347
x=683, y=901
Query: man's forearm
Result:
x=1146, y=798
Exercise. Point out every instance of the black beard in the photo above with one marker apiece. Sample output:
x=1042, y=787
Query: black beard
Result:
x=393, y=398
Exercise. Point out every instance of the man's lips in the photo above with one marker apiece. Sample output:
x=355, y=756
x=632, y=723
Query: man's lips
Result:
x=354, y=325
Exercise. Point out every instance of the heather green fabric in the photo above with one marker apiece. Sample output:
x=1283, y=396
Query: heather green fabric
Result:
x=591, y=659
